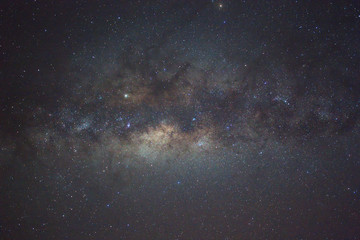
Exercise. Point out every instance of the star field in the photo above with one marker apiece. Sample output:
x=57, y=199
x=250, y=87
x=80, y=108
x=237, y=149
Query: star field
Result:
x=179, y=120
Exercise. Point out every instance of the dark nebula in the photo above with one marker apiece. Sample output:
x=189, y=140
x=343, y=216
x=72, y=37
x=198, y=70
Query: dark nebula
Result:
x=180, y=119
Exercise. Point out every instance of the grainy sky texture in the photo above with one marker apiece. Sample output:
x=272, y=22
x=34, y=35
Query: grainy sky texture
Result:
x=179, y=119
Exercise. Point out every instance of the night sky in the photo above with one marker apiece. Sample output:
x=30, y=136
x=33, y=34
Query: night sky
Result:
x=179, y=119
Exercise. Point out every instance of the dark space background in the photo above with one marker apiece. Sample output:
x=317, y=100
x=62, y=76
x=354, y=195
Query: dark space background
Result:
x=179, y=119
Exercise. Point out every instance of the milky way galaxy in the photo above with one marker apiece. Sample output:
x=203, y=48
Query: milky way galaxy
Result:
x=180, y=120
